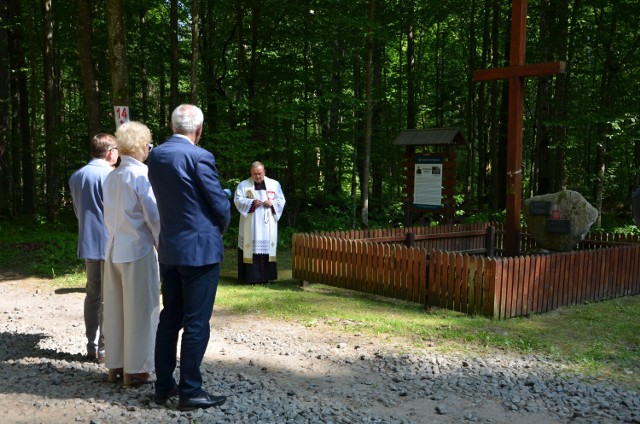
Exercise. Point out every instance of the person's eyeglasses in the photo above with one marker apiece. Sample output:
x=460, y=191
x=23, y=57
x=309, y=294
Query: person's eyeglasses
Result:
x=150, y=146
x=112, y=148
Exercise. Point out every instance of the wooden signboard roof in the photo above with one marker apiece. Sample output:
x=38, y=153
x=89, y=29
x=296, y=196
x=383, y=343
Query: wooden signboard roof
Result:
x=431, y=137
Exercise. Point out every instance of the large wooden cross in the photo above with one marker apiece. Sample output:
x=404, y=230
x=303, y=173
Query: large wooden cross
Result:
x=515, y=73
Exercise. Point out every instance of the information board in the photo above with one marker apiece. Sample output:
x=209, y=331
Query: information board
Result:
x=427, y=190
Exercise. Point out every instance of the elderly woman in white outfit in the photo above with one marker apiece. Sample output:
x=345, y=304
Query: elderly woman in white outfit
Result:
x=131, y=289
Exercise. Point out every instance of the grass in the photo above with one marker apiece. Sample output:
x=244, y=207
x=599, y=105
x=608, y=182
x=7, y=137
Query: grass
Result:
x=601, y=340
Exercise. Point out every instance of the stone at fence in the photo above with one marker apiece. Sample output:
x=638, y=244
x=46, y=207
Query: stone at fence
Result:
x=635, y=206
x=558, y=221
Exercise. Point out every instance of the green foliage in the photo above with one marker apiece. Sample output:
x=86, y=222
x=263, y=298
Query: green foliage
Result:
x=292, y=94
x=40, y=249
x=388, y=215
x=329, y=218
x=230, y=237
x=616, y=224
x=481, y=217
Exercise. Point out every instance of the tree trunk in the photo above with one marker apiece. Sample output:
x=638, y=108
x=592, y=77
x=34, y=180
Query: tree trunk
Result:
x=51, y=112
x=255, y=116
x=470, y=111
x=608, y=79
x=495, y=188
x=117, y=53
x=379, y=147
x=247, y=68
x=437, y=75
x=241, y=52
x=144, y=77
x=542, y=176
x=330, y=132
x=501, y=139
x=214, y=78
x=358, y=139
x=163, y=113
x=411, y=96
x=87, y=67
x=369, y=117
x=195, y=40
x=483, y=115
x=601, y=167
x=561, y=112
x=174, y=56
x=549, y=171
x=22, y=148
x=411, y=68
x=33, y=45
x=5, y=174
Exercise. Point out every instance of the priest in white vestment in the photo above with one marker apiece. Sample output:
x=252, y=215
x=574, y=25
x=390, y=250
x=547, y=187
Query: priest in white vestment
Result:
x=260, y=201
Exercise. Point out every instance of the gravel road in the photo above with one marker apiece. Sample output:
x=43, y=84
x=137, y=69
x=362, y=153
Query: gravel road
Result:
x=282, y=372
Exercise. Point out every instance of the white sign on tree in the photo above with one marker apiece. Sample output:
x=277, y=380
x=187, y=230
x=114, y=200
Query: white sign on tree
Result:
x=121, y=115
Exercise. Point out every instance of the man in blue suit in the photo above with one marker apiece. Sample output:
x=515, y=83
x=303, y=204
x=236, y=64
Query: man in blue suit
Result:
x=194, y=213
x=86, y=193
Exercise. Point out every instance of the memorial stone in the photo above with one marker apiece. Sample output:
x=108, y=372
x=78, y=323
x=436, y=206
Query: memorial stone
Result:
x=558, y=221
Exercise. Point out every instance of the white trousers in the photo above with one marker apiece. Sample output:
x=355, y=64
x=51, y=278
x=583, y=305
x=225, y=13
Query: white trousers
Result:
x=131, y=295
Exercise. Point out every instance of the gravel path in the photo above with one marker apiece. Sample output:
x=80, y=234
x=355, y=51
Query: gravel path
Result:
x=279, y=372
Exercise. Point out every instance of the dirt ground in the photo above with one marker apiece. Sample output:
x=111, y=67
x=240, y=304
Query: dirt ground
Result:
x=311, y=362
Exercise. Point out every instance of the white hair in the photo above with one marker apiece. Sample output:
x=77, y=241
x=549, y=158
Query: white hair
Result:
x=186, y=119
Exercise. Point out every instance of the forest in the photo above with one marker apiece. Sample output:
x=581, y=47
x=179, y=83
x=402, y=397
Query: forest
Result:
x=318, y=91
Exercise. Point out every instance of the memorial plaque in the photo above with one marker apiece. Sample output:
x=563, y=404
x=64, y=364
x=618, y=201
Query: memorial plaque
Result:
x=539, y=207
x=559, y=226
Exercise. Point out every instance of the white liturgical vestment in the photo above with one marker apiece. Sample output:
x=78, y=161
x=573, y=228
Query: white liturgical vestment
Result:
x=258, y=232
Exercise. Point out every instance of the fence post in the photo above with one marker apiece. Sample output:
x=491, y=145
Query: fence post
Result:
x=490, y=240
x=410, y=239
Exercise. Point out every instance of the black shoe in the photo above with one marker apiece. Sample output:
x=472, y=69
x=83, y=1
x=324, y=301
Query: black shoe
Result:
x=162, y=399
x=205, y=400
x=96, y=357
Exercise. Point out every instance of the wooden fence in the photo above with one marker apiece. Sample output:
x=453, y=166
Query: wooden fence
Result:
x=377, y=268
x=512, y=287
x=453, y=267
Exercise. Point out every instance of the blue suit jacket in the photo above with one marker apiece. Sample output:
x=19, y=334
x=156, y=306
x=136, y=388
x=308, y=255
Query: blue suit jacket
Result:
x=86, y=192
x=194, y=211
